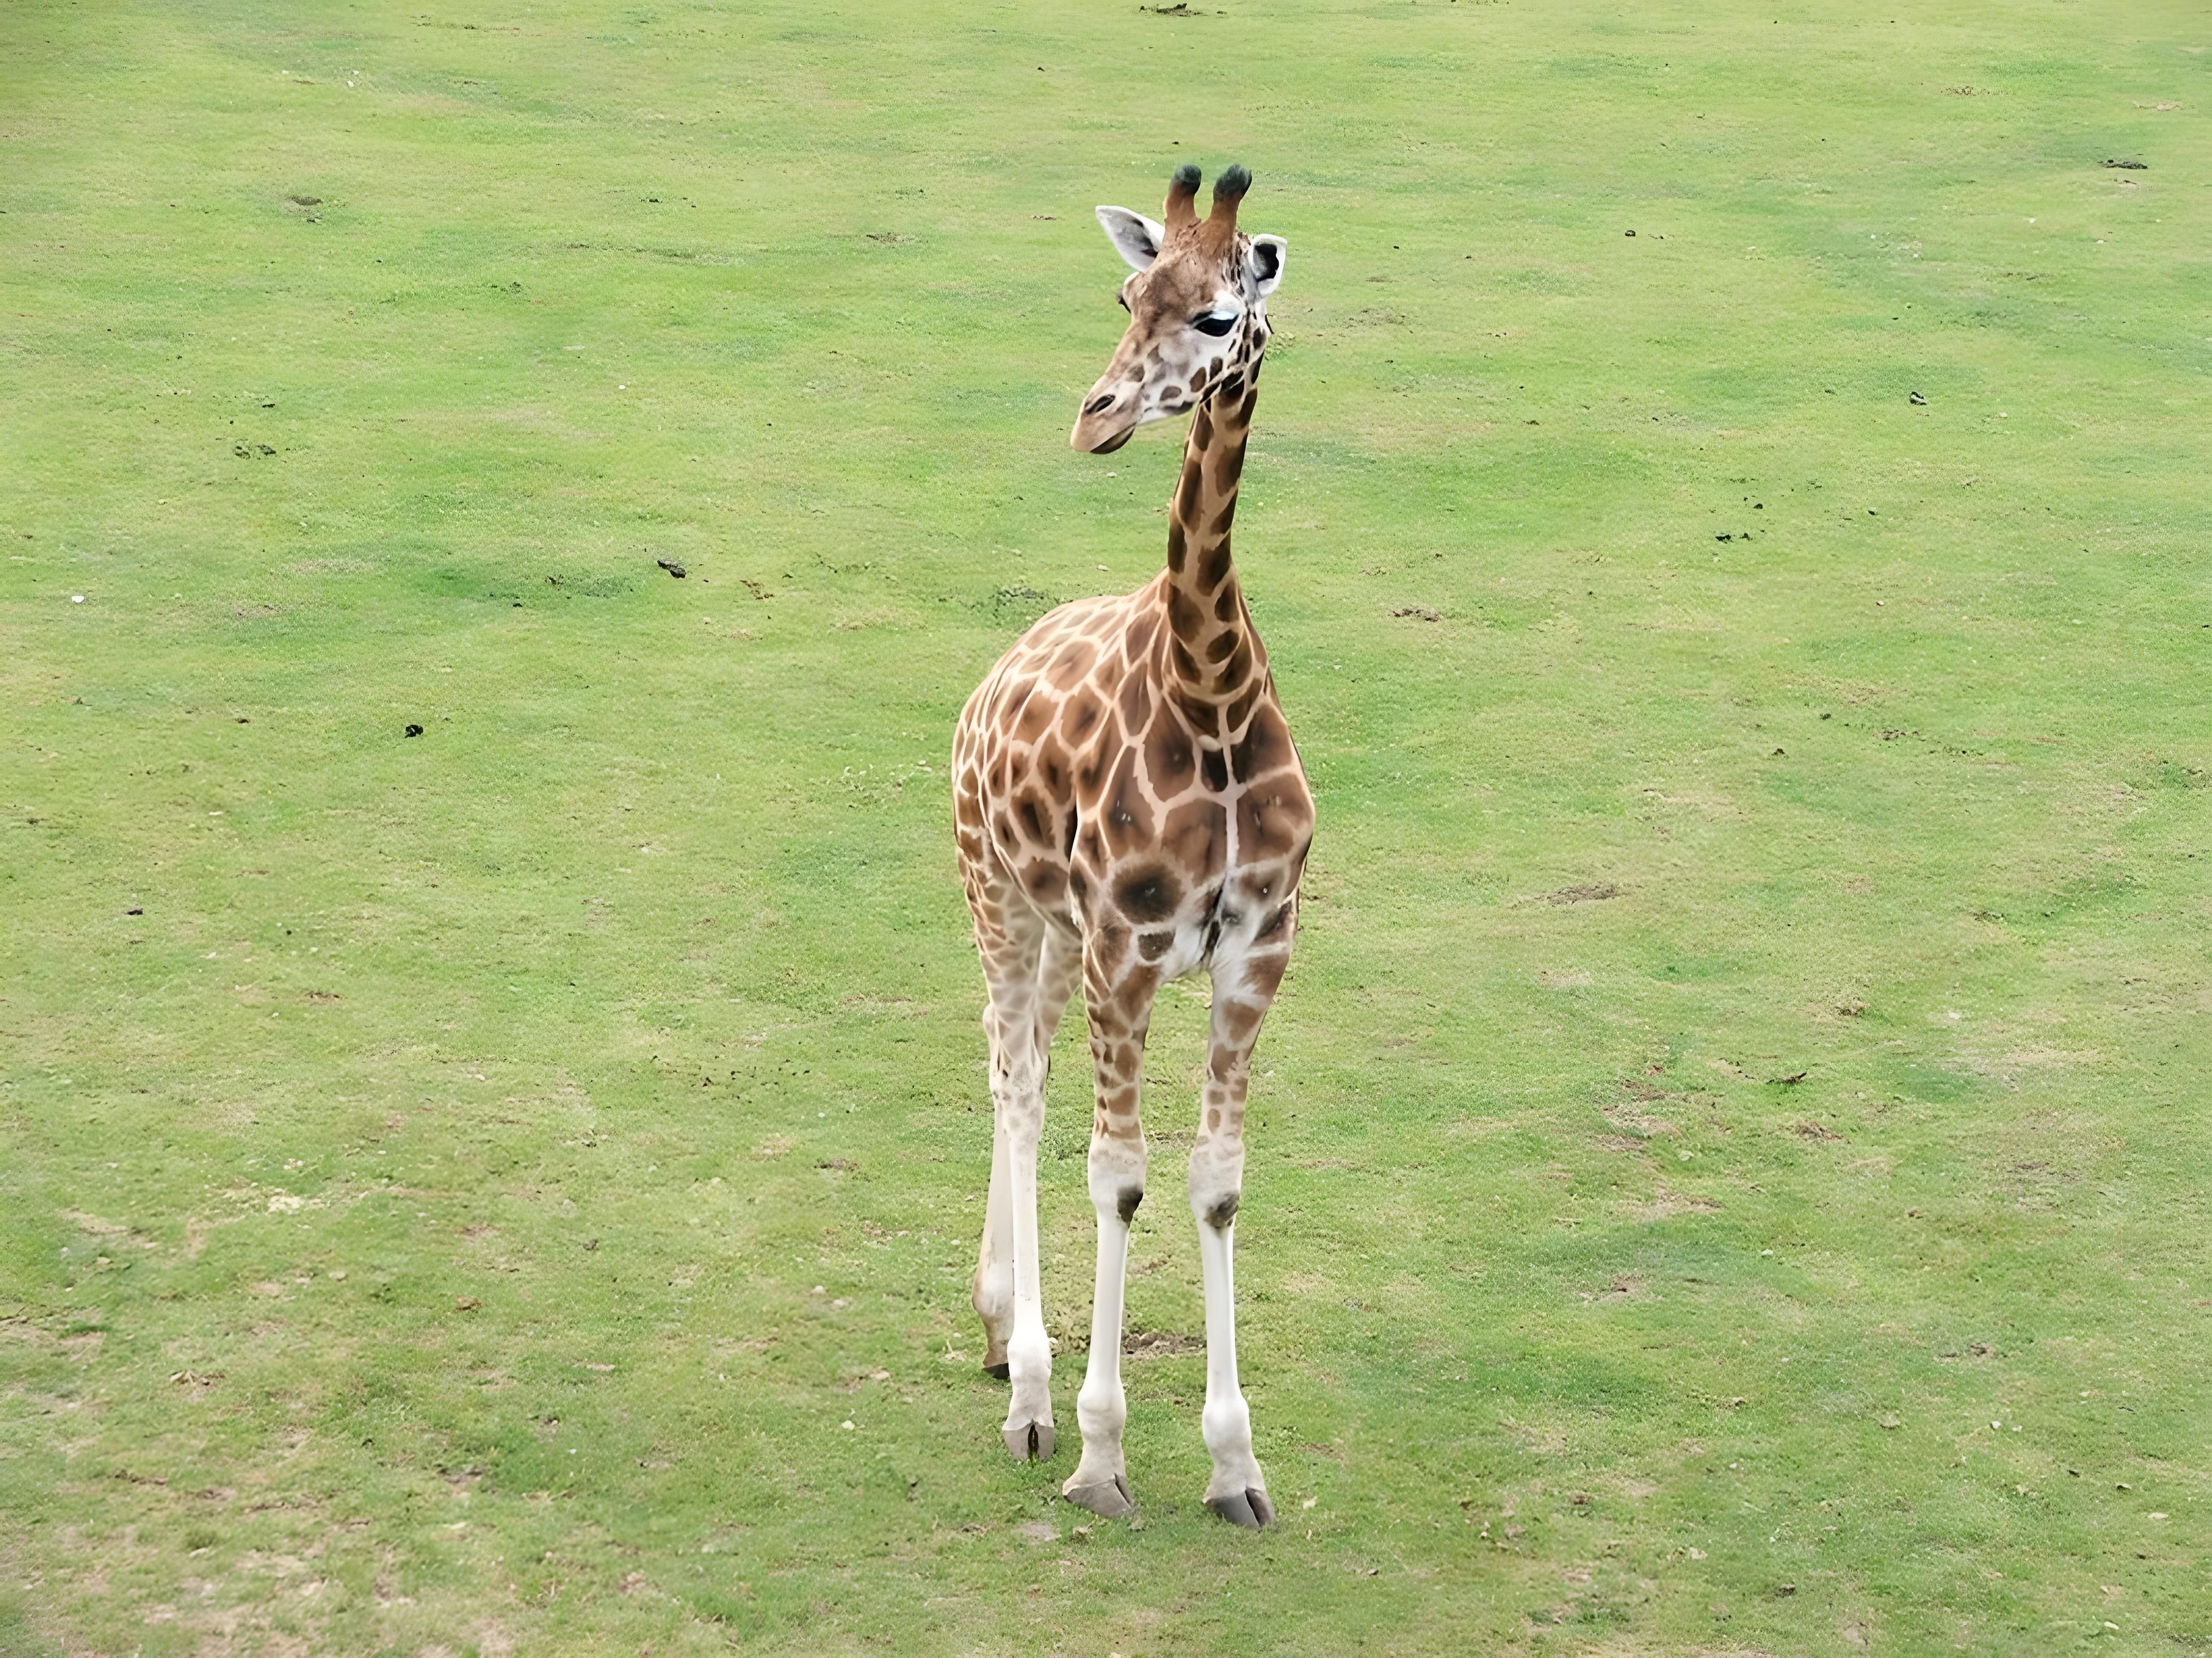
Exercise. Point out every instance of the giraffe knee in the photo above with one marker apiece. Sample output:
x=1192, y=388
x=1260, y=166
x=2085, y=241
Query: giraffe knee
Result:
x=1217, y=1181
x=1117, y=1175
x=1117, y=1178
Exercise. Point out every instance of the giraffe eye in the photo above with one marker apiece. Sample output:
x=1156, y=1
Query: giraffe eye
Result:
x=1214, y=325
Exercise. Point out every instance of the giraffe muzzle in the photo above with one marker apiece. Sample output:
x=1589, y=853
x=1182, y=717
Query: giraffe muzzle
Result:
x=1102, y=430
x=1111, y=412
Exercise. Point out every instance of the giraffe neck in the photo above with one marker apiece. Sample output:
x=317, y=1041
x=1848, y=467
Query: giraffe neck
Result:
x=1213, y=654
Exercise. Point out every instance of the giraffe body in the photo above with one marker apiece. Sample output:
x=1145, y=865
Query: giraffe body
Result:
x=1130, y=809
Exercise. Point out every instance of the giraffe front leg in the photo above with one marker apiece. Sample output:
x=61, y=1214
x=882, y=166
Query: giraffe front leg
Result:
x=1237, y=1491
x=1100, y=1482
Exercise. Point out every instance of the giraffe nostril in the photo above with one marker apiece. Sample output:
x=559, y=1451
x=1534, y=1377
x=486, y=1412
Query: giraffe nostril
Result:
x=1099, y=405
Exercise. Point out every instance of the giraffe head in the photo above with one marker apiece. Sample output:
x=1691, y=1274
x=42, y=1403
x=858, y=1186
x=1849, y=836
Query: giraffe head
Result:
x=1197, y=309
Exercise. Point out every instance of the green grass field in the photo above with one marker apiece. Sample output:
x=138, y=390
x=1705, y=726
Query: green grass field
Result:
x=1729, y=1165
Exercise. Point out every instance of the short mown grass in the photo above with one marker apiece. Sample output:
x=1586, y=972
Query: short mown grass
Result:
x=1729, y=1171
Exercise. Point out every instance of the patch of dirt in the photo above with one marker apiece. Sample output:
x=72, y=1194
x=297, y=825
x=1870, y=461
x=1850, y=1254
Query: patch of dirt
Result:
x=1814, y=1131
x=1154, y=1344
x=1588, y=893
x=1665, y=1204
x=1642, y=1124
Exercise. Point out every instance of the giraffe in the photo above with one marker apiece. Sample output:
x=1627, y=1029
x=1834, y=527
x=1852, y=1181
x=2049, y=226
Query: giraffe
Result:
x=1129, y=809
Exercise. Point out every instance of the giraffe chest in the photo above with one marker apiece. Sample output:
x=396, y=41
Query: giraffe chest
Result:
x=1208, y=911
x=1195, y=868
x=1088, y=780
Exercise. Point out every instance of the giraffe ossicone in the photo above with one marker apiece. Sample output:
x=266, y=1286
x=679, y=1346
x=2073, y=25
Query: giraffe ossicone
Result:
x=1129, y=809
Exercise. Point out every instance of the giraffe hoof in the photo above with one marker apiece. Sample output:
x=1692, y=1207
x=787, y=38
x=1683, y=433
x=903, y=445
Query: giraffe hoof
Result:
x=998, y=1372
x=1108, y=1498
x=1250, y=1509
x=1030, y=1442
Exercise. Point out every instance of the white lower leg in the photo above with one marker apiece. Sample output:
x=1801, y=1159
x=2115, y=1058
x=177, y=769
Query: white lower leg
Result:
x=1227, y=1422
x=1029, y=1349
x=992, y=1293
x=1101, y=1408
x=1241, y=993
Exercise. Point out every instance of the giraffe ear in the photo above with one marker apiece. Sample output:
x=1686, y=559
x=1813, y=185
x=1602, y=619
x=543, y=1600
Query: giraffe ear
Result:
x=1267, y=260
x=1135, y=237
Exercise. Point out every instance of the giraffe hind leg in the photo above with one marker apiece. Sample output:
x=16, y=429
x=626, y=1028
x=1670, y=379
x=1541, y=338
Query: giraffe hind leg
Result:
x=1017, y=1112
x=992, y=1293
x=1029, y=980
